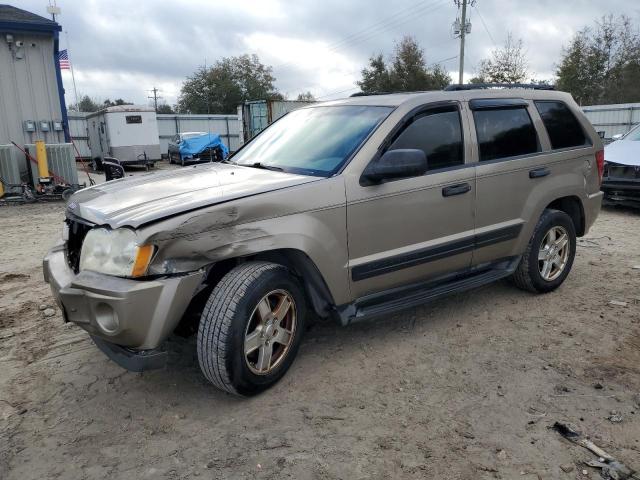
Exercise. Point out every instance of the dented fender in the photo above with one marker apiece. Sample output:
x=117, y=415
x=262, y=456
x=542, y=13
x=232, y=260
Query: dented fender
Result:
x=313, y=222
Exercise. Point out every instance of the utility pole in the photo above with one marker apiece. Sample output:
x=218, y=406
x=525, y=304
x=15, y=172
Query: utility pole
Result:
x=155, y=98
x=53, y=10
x=462, y=28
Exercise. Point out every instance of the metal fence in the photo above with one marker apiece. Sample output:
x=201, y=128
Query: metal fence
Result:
x=10, y=168
x=169, y=125
x=226, y=126
x=61, y=159
x=613, y=119
x=79, y=133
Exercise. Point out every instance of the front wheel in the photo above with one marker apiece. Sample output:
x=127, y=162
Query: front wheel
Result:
x=549, y=255
x=251, y=328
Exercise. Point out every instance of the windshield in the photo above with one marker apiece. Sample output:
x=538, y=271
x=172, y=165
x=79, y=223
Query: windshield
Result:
x=312, y=141
x=633, y=135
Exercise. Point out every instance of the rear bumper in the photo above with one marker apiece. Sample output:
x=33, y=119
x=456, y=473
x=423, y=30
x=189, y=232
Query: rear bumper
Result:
x=592, y=206
x=136, y=314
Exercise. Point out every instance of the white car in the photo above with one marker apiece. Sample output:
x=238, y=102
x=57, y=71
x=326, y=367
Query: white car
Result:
x=621, y=182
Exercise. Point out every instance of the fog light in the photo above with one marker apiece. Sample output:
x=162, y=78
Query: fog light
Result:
x=107, y=318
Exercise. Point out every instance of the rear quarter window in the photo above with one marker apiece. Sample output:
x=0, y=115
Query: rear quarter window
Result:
x=563, y=127
x=504, y=133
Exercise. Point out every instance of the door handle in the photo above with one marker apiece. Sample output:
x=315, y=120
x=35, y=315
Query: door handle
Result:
x=539, y=172
x=456, y=189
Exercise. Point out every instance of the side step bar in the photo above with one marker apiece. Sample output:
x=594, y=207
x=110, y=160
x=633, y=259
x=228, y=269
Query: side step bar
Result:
x=394, y=300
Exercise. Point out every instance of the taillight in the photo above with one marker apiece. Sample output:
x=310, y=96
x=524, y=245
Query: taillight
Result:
x=600, y=163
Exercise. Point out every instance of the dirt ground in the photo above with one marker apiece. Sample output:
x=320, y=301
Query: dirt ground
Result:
x=464, y=388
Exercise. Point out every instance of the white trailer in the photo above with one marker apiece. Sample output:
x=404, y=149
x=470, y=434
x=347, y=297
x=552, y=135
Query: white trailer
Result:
x=126, y=132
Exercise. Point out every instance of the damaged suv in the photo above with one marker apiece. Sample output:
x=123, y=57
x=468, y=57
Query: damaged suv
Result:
x=349, y=209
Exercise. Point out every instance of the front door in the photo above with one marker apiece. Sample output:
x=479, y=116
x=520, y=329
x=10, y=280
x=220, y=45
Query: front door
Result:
x=415, y=229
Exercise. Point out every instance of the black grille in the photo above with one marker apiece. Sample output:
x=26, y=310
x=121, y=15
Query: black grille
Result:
x=621, y=171
x=77, y=232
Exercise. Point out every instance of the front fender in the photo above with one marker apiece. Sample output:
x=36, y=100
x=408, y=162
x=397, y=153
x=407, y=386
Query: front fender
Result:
x=310, y=218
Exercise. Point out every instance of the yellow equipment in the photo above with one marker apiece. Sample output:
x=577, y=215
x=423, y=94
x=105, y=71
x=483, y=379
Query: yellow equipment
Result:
x=41, y=157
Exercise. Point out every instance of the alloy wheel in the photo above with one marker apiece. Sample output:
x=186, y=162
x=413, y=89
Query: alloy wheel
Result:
x=269, y=333
x=554, y=253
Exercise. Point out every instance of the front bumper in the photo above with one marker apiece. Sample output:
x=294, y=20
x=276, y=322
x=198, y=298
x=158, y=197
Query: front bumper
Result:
x=137, y=314
x=624, y=191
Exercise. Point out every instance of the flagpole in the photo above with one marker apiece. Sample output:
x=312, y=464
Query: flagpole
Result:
x=73, y=77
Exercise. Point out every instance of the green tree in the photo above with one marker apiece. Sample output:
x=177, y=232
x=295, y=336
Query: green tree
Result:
x=507, y=64
x=118, y=101
x=408, y=71
x=165, y=108
x=86, y=104
x=229, y=82
x=602, y=64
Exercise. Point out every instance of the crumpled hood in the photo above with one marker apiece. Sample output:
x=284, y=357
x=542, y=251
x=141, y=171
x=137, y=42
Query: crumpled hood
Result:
x=624, y=152
x=133, y=201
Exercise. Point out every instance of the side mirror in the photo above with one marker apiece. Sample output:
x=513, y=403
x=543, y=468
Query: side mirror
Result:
x=618, y=136
x=399, y=163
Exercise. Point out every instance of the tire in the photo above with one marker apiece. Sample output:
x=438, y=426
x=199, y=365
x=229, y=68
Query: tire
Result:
x=66, y=194
x=232, y=316
x=530, y=272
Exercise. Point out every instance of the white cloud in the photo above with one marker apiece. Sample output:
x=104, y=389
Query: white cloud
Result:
x=123, y=48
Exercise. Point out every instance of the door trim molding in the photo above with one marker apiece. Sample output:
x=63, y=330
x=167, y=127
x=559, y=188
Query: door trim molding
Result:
x=430, y=254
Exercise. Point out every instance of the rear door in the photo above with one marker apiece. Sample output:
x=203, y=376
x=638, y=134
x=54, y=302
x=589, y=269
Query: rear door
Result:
x=509, y=153
x=530, y=152
x=415, y=229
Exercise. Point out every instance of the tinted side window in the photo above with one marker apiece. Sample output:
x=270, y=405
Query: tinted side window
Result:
x=562, y=126
x=439, y=134
x=505, y=132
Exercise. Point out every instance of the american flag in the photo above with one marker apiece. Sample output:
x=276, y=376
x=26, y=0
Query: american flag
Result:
x=63, y=60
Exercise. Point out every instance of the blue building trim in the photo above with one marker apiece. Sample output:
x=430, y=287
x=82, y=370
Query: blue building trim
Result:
x=30, y=27
x=63, y=105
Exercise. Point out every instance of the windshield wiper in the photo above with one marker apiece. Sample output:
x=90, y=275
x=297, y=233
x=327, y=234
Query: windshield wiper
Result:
x=265, y=167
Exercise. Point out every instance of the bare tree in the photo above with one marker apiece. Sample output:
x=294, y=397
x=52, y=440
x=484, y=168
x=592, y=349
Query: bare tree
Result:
x=306, y=97
x=506, y=65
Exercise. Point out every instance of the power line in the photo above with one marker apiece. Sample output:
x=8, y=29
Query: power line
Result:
x=444, y=60
x=336, y=93
x=485, y=26
x=365, y=34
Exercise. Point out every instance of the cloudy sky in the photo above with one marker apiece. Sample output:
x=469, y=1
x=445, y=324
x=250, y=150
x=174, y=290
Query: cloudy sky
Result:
x=124, y=48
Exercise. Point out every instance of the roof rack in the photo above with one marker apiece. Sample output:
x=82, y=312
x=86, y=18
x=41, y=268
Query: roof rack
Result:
x=485, y=86
x=366, y=94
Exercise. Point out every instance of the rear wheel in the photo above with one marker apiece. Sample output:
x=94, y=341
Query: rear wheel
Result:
x=549, y=255
x=251, y=328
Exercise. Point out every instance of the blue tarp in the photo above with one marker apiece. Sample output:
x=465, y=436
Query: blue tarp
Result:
x=190, y=147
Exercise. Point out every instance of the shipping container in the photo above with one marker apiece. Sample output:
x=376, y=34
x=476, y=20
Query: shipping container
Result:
x=255, y=116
